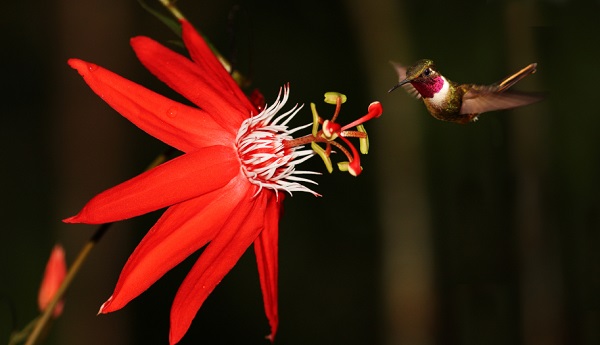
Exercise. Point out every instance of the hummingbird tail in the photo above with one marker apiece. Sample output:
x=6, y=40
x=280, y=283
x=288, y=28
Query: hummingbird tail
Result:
x=513, y=79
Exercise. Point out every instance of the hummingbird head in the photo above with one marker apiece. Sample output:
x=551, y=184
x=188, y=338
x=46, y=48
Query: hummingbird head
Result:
x=422, y=69
x=423, y=77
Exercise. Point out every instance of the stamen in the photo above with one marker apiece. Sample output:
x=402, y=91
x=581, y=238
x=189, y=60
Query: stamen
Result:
x=330, y=131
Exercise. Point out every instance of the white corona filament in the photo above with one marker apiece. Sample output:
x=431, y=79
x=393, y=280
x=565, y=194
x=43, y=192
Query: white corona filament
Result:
x=266, y=161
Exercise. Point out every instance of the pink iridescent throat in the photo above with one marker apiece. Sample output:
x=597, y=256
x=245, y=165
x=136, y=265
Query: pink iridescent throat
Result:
x=428, y=88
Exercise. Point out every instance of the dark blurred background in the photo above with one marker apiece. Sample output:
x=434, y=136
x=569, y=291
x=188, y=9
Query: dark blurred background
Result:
x=487, y=233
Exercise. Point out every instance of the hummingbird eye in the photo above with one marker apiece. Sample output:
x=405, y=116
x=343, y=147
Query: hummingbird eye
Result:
x=427, y=72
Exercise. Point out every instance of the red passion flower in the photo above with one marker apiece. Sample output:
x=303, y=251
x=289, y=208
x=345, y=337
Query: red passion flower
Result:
x=223, y=193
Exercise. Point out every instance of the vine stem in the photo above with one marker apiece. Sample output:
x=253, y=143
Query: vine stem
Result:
x=237, y=76
x=170, y=5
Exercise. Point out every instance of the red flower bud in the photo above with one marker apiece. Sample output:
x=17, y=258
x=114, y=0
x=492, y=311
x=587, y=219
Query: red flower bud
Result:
x=56, y=270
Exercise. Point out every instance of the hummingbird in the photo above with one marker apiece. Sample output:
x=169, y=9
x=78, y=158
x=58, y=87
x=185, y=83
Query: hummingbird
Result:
x=461, y=103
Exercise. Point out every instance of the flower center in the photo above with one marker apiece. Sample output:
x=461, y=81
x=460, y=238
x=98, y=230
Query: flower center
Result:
x=265, y=159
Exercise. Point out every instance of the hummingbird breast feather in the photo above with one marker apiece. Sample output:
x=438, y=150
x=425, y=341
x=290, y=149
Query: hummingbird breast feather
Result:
x=440, y=97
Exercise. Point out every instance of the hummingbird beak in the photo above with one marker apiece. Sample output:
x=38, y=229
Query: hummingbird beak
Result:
x=399, y=84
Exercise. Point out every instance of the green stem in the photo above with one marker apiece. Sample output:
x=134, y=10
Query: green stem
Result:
x=236, y=75
x=17, y=337
x=170, y=5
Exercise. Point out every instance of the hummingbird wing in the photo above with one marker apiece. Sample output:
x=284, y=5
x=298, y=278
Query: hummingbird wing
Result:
x=401, y=70
x=480, y=99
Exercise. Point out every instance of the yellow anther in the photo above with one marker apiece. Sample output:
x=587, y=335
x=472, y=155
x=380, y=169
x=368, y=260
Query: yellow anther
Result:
x=315, y=129
x=345, y=166
x=323, y=156
x=364, y=142
x=331, y=97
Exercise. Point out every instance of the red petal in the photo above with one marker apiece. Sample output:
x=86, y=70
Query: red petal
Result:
x=182, y=230
x=201, y=53
x=185, y=177
x=216, y=261
x=176, y=124
x=202, y=87
x=265, y=248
